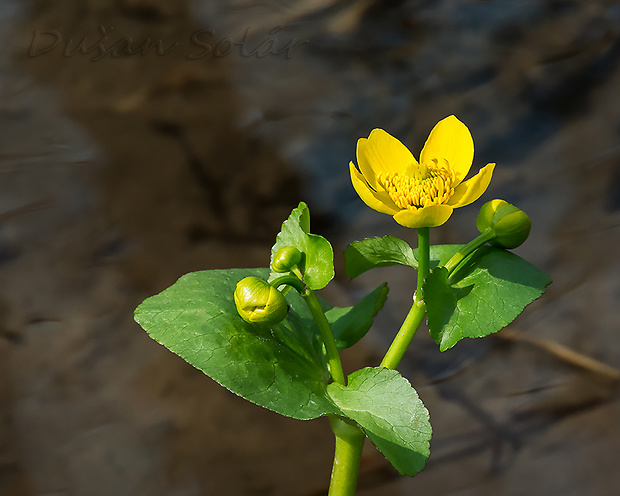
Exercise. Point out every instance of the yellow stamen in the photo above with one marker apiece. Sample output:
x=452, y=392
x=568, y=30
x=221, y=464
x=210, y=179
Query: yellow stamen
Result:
x=421, y=186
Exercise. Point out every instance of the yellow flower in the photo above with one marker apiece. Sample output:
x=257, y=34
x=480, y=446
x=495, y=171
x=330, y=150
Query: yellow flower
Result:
x=391, y=181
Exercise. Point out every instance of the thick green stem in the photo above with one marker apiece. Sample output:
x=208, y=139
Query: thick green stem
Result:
x=333, y=357
x=418, y=310
x=347, y=456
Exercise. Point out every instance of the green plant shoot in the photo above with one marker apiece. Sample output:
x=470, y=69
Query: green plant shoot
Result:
x=265, y=334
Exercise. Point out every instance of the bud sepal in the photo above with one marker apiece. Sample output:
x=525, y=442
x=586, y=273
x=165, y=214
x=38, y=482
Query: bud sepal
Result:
x=259, y=302
x=510, y=225
x=285, y=259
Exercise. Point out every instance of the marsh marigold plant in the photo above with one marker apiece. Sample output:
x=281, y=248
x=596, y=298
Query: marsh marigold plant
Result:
x=419, y=194
x=267, y=335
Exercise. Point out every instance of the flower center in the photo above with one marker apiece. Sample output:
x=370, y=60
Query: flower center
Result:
x=419, y=186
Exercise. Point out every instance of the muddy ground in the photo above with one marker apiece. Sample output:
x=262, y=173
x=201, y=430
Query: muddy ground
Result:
x=120, y=171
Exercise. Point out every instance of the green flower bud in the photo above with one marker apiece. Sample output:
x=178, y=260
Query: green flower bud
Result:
x=258, y=301
x=285, y=259
x=510, y=225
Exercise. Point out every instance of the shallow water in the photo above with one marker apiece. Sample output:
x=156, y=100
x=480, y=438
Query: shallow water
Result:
x=118, y=175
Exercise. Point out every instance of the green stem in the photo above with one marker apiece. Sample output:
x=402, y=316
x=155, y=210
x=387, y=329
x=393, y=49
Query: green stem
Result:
x=423, y=259
x=325, y=330
x=289, y=280
x=401, y=342
x=414, y=318
x=347, y=456
x=474, y=244
x=349, y=438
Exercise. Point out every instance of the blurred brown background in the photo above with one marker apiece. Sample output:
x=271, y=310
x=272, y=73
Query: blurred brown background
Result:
x=122, y=168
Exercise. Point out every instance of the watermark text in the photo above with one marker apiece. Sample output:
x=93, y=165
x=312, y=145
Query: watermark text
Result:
x=200, y=44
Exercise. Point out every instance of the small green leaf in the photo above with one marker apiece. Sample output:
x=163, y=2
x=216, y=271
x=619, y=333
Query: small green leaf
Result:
x=392, y=415
x=369, y=253
x=490, y=290
x=317, y=263
x=351, y=324
x=281, y=366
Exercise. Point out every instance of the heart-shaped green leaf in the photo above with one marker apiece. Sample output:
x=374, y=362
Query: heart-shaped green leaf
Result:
x=483, y=296
x=281, y=367
x=392, y=415
x=317, y=263
x=369, y=253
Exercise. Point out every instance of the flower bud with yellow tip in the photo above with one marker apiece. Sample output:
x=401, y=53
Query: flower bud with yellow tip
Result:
x=259, y=302
x=285, y=259
x=510, y=226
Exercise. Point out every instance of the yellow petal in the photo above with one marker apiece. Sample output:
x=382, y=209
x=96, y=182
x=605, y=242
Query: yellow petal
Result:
x=378, y=200
x=472, y=189
x=431, y=216
x=382, y=152
x=451, y=140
